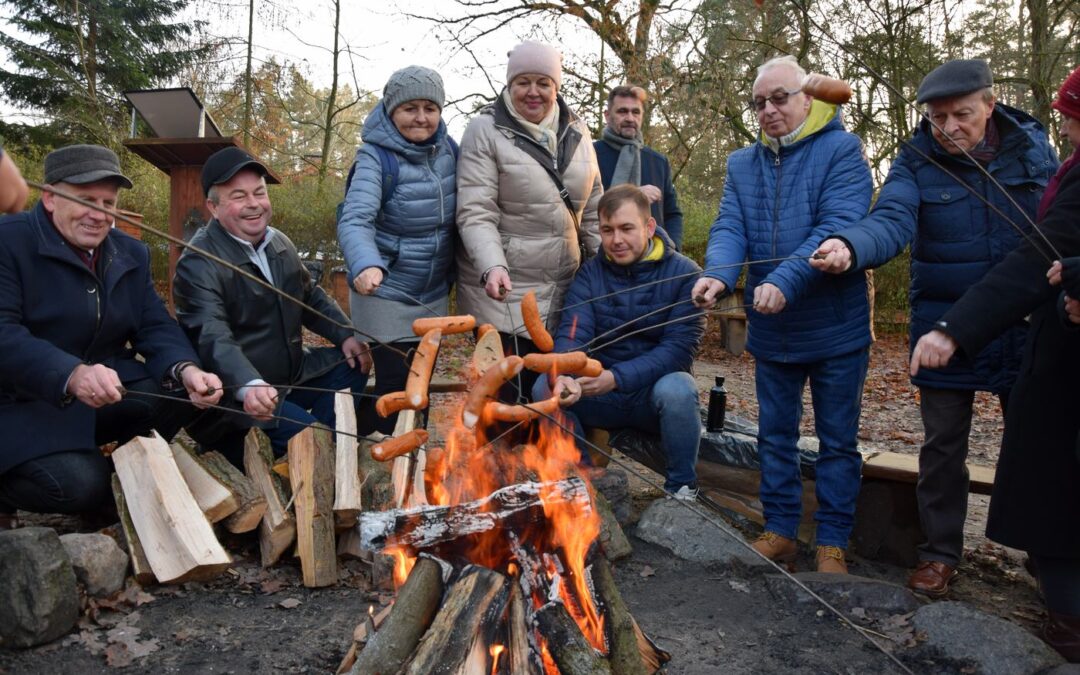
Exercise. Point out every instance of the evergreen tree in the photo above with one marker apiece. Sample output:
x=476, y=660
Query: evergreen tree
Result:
x=71, y=59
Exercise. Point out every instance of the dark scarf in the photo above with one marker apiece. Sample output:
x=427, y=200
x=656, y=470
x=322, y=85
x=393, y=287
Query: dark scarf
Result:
x=1055, y=182
x=89, y=258
x=628, y=166
x=988, y=147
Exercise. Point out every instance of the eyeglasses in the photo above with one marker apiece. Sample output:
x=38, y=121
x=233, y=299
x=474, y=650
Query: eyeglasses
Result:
x=778, y=99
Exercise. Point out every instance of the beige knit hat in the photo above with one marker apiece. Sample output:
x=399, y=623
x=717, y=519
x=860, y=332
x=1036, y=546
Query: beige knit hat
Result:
x=536, y=59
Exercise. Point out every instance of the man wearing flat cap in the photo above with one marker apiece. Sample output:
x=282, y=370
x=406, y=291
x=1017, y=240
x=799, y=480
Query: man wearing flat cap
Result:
x=248, y=333
x=77, y=304
x=955, y=239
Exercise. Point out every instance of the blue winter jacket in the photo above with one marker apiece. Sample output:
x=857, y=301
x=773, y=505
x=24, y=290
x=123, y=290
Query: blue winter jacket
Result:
x=955, y=238
x=411, y=238
x=637, y=360
x=781, y=205
x=655, y=170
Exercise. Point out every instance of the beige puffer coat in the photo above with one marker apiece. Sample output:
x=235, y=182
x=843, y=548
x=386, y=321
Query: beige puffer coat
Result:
x=509, y=213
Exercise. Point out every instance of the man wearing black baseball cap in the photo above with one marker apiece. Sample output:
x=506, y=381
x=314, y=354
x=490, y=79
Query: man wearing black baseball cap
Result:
x=250, y=334
x=77, y=304
x=955, y=240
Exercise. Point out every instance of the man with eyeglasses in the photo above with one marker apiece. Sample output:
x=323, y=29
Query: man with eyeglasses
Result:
x=959, y=224
x=804, y=179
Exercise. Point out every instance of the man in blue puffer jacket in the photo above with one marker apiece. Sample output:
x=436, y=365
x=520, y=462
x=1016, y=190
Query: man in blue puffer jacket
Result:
x=628, y=309
x=956, y=238
x=805, y=179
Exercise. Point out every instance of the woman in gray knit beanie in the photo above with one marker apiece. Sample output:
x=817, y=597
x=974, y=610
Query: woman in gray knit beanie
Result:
x=396, y=227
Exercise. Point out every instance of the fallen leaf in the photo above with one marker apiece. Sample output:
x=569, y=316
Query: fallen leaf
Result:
x=271, y=586
x=136, y=596
x=184, y=634
x=289, y=603
x=647, y=572
x=118, y=656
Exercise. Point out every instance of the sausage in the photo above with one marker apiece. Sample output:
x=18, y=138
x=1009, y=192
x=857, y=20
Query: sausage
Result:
x=487, y=386
x=592, y=369
x=484, y=329
x=570, y=362
x=828, y=89
x=389, y=448
x=416, y=387
x=449, y=325
x=502, y=412
x=530, y=314
x=388, y=404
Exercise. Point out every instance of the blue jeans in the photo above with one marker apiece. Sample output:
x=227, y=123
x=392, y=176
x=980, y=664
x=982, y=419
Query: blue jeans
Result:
x=308, y=407
x=836, y=386
x=670, y=406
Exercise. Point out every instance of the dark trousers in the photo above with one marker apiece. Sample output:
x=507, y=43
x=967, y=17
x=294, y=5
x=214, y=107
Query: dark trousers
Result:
x=78, y=480
x=942, y=490
x=391, y=373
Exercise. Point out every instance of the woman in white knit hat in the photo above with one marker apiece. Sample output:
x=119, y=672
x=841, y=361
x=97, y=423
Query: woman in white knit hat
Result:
x=528, y=186
x=396, y=227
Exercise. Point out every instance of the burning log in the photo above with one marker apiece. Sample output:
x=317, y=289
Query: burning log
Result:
x=361, y=634
x=277, y=530
x=347, y=493
x=215, y=500
x=177, y=538
x=612, y=538
x=624, y=655
x=653, y=656
x=571, y=651
x=311, y=473
x=140, y=566
x=423, y=527
x=413, y=611
x=473, y=606
x=251, y=504
x=517, y=648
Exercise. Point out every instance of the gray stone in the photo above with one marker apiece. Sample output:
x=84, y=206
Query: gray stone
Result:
x=845, y=592
x=669, y=523
x=38, y=594
x=1063, y=669
x=967, y=638
x=615, y=486
x=98, y=562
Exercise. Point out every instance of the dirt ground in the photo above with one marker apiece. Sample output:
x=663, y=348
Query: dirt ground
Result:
x=253, y=620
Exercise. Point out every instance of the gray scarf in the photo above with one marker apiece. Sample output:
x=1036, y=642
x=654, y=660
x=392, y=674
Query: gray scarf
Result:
x=628, y=168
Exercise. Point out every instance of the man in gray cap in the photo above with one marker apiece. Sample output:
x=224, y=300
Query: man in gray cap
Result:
x=955, y=239
x=77, y=305
x=251, y=335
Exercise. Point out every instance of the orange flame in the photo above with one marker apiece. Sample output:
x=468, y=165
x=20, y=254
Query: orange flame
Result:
x=403, y=564
x=495, y=651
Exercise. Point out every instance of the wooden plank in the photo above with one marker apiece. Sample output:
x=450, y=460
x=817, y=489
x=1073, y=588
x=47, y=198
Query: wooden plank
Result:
x=277, y=530
x=896, y=466
x=215, y=500
x=178, y=540
x=252, y=503
x=140, y=566
x=311, y=473
x=347, y=490
x=401, y=475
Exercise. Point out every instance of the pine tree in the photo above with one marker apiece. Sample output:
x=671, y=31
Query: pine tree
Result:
x=71, y=59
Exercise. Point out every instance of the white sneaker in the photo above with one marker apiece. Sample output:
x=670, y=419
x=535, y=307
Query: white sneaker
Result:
x=686, y=494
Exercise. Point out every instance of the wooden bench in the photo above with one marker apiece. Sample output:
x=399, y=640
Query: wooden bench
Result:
x=905, y=469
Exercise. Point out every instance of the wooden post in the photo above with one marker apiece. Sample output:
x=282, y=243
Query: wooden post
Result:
x=140, y=566
x=185, y=197
x=347, y=498
x=179, y=543
x=311, y=473
x=277, y=530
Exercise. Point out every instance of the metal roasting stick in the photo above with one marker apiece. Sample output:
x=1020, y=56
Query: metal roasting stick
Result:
x=639, y=318
x=688, y=317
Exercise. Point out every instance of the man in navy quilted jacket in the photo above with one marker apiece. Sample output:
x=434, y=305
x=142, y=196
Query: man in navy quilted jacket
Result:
x=955, y=238
x=643, y=332
x=804, y=179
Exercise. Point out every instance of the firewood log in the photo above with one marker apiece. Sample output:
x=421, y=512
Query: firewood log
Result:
x=517, y=659
x=311, y=473
x=140, y=566
x=215, y=500
x=277, y=530
x=347, y=493
x=624, y=656
x=571, y=651
x=251, y=502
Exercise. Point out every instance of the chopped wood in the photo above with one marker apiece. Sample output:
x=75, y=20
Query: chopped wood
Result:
x=177, y=538
x=361, y=634
x=347, y=490
x=215, y=500
x=418, y=491
x=509, y=507
x=413, y=611
x=277, y=530
x=624, y=655
x=516, y=658
x=252, y=503
x=348, y=544
x=140, y=566
x=311, y=472
x=653, y=656
x=571, y=651
x=611, y=537
x=473, y=606
x=401, y=471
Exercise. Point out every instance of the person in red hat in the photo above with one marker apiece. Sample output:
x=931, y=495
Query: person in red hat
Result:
x=1035, y=505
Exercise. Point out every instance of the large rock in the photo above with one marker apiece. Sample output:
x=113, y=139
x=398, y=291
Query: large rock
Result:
x=39, y=601
x=845, y=592
x=97, y=561
x=669, y=523
x=967, y=638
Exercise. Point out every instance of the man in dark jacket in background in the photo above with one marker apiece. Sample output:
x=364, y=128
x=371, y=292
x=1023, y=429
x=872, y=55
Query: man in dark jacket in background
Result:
x=624, y=158
x=250, y=334
x=77, y=306
x=645, y=338
x=955, y=240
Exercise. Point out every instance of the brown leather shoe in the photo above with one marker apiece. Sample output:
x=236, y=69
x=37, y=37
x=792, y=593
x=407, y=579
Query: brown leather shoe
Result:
x=830, y=559
x=774, y=547
x=931, y=578
x=1062, y=632
x=8, y=521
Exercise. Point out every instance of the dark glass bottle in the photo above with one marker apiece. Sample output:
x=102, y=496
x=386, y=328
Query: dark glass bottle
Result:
x=717, y=406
